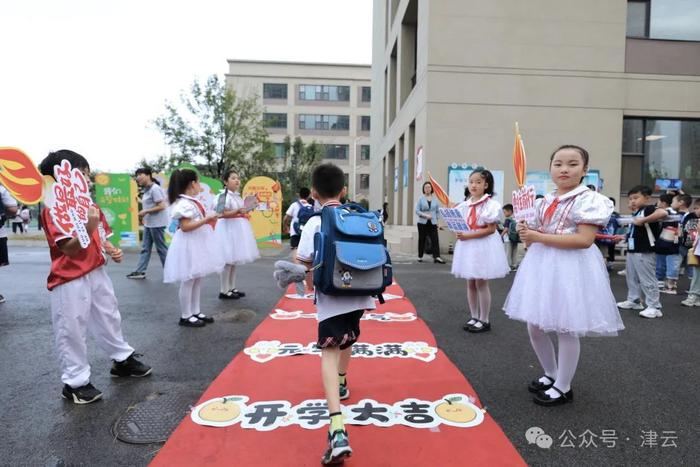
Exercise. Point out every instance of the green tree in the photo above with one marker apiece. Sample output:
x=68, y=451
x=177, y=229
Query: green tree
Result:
x=214, y=130
x=299, y=161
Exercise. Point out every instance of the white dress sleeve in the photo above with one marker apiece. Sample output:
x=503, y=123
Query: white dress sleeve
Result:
x=491, y=212
x=184, y=210
x=592, y=208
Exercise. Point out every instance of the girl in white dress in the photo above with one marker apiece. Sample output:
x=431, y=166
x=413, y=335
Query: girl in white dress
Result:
x=192, y=254
x=479, y=254
x=562, y=284
x=234, y=236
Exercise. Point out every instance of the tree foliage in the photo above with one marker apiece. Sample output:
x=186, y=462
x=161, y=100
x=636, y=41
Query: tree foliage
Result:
x=214, y=130
x=299, y=161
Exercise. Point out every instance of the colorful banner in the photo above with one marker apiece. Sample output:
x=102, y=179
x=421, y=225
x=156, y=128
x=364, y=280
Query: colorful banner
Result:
x=266, y=219
x=115, y=194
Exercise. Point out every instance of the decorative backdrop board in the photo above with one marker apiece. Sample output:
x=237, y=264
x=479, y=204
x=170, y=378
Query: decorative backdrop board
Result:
x=458, y=178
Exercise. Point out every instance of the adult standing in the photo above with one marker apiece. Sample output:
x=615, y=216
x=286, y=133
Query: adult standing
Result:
x=427, y=212
x=154, y=218
x=9, y=210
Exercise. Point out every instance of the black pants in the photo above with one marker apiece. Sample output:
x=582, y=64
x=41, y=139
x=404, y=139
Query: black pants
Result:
x=428, y=230
x=17, y=225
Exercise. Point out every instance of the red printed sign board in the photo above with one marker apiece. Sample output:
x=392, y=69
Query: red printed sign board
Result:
x=71, y=201
x=524, y=203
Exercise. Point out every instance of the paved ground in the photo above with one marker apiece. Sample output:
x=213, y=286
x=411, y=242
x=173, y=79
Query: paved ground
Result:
x=644, y=380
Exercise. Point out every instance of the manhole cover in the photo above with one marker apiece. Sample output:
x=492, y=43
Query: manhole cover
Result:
x=152, y=421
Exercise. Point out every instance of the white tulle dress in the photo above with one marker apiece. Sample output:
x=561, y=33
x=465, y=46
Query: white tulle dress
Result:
x=234, y=237
x=191, y=254
x=485, y=257
x=566, y=290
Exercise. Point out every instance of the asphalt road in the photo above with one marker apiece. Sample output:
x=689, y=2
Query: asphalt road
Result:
x=645, y=380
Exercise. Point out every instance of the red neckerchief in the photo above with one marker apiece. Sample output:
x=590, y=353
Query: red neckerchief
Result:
x=471, y=219
x=549, y=212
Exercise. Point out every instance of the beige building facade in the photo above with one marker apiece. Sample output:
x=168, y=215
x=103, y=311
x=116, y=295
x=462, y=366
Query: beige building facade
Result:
x=451, y=77
x=326, y=103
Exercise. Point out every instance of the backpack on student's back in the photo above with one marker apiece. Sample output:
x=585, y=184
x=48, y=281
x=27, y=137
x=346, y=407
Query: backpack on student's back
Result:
x=350, y=257
x=306, y=212
x=513, y=234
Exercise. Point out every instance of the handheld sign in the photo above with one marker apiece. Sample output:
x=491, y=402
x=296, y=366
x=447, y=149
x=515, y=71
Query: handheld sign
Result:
x=69, y=202
x=524, y=196
x=250, y=202
x=439, y=192
x=221, y=202
x=454, y=220
x=19, y=175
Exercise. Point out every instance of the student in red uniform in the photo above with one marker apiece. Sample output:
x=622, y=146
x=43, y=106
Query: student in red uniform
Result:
x=82, y=296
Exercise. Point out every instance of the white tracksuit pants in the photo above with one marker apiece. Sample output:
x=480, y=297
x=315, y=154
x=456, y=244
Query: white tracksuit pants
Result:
x=81, y=305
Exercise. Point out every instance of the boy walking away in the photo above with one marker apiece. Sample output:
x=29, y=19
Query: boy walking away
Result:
x=510, y=236
x=82, y=296
x=8, y=208
x=689, y=221
x=668, y=260
x=338, y=316
x=690, y=229
x=292, y=219
x=641, y=259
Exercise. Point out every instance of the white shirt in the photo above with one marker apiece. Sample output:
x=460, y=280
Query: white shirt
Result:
x=9, y=202
x=293, y=212
x=328, y=306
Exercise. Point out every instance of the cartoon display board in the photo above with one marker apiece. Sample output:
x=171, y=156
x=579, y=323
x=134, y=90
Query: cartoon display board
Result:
x=457, y=410
x=266, y=218
x=115, y=194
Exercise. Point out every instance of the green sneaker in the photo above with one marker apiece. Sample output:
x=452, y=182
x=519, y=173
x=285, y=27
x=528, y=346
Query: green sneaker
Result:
x=344, y=392
x=338, y=448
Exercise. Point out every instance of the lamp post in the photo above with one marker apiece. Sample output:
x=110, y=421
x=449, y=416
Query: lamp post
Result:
x=353, y=170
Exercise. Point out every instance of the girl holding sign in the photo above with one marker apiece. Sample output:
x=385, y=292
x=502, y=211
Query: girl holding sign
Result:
x=234, y=236
x=192, y=254
x=479, y=254
x=548, y=291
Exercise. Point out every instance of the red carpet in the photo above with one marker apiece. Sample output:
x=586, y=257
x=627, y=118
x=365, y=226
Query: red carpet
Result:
x=387, y=375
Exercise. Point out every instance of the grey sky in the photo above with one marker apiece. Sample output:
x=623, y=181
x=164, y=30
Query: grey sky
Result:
x=90, y=75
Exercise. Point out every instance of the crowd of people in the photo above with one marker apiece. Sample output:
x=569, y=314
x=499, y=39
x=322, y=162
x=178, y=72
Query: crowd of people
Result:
x=572, y=226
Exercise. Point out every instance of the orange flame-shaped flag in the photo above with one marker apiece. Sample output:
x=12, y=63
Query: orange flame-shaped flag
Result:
x=519, y=158
x=439, y=192
x=19, y=175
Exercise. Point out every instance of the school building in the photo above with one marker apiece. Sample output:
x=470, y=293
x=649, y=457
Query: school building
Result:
x=451, y=77
x=322, y=102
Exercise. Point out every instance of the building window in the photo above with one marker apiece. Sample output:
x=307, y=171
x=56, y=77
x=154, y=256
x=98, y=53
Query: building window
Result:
x=364, y=123
x=324, y=122
x=309, y=92
x=664, y=19
x=364, y=152
x=274, y=91
x=279, y=150
x=336, y=151
x=271, y=120
x=366, y=94
x=364, y=181
x=654, y=149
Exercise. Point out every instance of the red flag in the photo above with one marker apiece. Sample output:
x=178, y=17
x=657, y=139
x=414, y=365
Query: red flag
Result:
x=439, y=191
x=519, y=158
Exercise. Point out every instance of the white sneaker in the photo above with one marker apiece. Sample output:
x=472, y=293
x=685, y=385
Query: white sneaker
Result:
x=650, y=312
x=691, y=301
x=627, y=305
x=661, y=284
x=622, y=273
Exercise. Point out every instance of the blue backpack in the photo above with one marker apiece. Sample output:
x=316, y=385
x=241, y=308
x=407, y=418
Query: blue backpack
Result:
x=306, y=212
x=350, y=257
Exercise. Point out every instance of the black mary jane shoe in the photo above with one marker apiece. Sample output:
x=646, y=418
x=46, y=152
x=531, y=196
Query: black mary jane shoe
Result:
x=205, y=318
x=227, y=296
x=197, y=323
x=237, y=293
x=537, y=386
x=541, y=398
x=485, y=327
x=469, y=324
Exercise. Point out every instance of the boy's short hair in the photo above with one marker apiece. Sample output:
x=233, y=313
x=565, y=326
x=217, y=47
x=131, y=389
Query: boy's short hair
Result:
x=508, y=206
x=328, y=180
x=54, y=158
x=640, y=189
x=666, y=198
x=686, y=199
x=697, y=201
x=304, y=193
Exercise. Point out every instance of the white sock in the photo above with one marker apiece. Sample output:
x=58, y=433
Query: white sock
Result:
x=544, y=349
x=569, y=351
x=484, y=294
x=473, y=299
x=196, y=292
x=232, y=277
x=185, y=296
x=225, y=279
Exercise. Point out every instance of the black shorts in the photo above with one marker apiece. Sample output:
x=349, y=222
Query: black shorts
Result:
x=294, y=241
x=4, y=259
x=340, y=331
